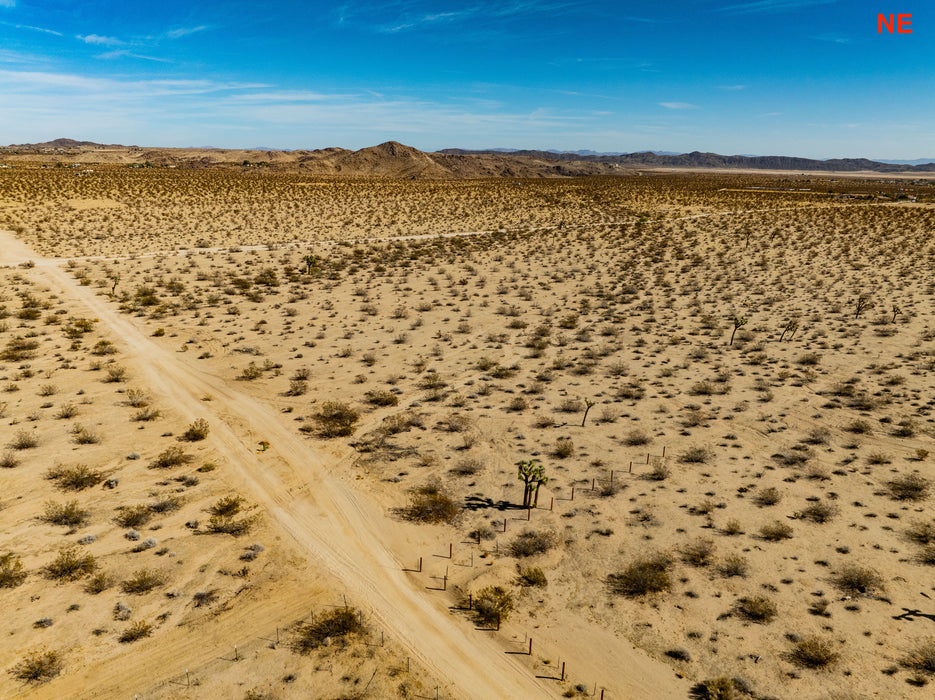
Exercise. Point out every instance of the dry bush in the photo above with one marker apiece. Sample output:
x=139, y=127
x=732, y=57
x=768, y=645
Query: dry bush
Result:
x=768, y=497
x=858, y=580
x=37, y=666
x=720, y=688
x=335, y=419
x=698, y=552
x=922, y=532
x=563, y=448
x=143, y=581
x=70, y=565
x=146, y=414
x=813, y=652
x=819, y=512
x=12, y=573
x=696, y=455
x=909, y=487
x=493, y=604
x=636, y=437
x=431, y=504
x=24, y=440
x=116, y=374
x=70, y=514
x=532, y=542
x=645, y=575
x=172, y=456
x=381, y=397
x=198, y=430
x=137, y=630
x=532, y=576
x=98, y=583
x=776, y=531
x=137, y=398
x=328, y=628
x=9, y=460
x=922, y=658
x=733, y=565
x=76, y=478
x=757, y=609
x=133, y=516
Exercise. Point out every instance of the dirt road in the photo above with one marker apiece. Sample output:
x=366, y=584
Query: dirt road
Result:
x=339, y=529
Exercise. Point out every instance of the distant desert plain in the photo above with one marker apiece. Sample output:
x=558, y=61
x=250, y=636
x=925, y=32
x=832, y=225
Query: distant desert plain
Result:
x=516, y=429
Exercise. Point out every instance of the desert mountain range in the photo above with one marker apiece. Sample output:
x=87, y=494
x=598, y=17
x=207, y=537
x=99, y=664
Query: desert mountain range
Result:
x=393, y=159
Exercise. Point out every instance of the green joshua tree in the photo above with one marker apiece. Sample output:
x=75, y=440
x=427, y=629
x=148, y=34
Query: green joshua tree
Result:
x=587, y=407
x=310, y=262
x=533, y=476
x=738, y=322
x=115, y=278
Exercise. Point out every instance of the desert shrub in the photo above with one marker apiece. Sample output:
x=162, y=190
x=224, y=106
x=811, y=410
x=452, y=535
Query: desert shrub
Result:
x=909, y=487
x=563, y=448
x=137, y=630
x=636, y=437
x=645, y=575
x=467, y=467
x=137, y=398
x=198, y=430
x=133, y=516
x=532, y=542
x=775, y=531
x=857, y=580
x=167, y=504
x=75, y=478
x=297, y=387
x=172, y=456
x=381, y=397
x=733, y=565
x=756, y=608
x=922, y=658
x=143, y=581
x=695, y=455
x=9, y=460
x=70, y=565
x=335, y=419
x=813, y=652
x=146, y=414
x=768, y=497
x=70, y=514
x=859, y=427
x=66, y=410
x=227, y=506
x=922, y=532
x=37, y=666
x=720, y=688
x=116, y=374
x=698, y=552
x=251, y=372
x=98, y=583
x=431, y=504
x=327, y=628
x=84, y=436
x=532, y=576
x=12, y=573
x=24, y=440
x=819, y=512
x=493, y=604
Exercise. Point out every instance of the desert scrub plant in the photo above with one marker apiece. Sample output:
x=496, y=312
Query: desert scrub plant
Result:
x=698, y=552
x=137, y=630
x=909, y=487
x=756, y=609
x=335, y=419
x=819, y=512
x=250, y=372
x=9, y=460
x=813, y=652
x=115, y=374
x=645, y=575
x=493, y=604
x=69, y=514
x=137, y=398
x=531, y=542
x=380, y=397
x=12, y=573
x=24, y=440
x=172, y=456
x=76, y=478
x=223, y=518
x=776, y=531
x=720, y=688
x=431, y=503
x=695, y=455
x=143, y=581
x=733, y=565
x=563, y=448
x=98, y=583
x=133, y=516
x=37, y=666
x=768, y=497
x=198, y=430
x=84, y=436
x=922, y=532
x=70, y=565
x=334, y=626
x=146, y=414
x=66, y=410
x=532, y=576
x=922, y=658
x=858, y=580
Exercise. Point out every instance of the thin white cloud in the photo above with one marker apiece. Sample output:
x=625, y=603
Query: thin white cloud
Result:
x=732, y=87
x=99, y=40
x=7, y=3
x=126, y=53
x=678, y=105
x=185, y=31
x=772, y=6
x=31, y=28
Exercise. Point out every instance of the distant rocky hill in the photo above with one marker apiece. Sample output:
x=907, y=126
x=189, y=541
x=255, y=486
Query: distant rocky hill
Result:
x=393, y=159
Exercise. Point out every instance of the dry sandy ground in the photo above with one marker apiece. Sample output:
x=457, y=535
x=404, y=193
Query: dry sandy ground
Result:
x=791, y=512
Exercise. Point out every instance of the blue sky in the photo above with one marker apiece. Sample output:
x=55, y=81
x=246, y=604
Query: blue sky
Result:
x=810, y=78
